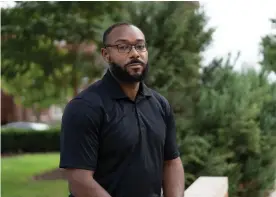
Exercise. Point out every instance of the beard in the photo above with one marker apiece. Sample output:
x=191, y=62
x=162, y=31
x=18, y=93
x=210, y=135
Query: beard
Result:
x=121, y=73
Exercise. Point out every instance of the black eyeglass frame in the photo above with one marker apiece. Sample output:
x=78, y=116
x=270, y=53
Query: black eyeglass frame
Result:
x=132, y=46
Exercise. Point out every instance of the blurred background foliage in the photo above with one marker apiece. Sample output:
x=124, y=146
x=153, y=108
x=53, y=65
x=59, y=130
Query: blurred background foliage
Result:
x=226, y=120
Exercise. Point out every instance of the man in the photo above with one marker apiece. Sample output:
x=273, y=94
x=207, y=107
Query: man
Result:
x=118, y=136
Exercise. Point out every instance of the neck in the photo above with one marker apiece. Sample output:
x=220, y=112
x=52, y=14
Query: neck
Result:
x=131, y=90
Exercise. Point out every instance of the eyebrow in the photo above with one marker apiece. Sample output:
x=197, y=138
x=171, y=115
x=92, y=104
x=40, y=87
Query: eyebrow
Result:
x=124, y=40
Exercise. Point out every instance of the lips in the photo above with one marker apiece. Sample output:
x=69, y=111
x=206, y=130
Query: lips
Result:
x=134, y=64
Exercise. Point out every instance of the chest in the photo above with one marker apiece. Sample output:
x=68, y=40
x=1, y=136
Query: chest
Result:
x=129, y=123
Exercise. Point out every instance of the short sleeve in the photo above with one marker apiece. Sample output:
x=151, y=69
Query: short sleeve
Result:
x=79, y=140
x=171, y=149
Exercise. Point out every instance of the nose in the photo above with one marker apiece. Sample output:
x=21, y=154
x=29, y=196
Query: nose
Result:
x=133, y=53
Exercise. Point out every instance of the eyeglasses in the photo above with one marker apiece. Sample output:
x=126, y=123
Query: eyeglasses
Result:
x=126, y=48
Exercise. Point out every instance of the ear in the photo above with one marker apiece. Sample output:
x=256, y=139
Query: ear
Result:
x=105, y=55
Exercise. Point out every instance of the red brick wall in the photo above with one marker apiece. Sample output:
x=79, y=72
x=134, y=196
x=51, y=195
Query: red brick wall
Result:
x=7, y=108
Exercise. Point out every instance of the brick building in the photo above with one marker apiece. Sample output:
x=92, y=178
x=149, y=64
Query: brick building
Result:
x=11, y=112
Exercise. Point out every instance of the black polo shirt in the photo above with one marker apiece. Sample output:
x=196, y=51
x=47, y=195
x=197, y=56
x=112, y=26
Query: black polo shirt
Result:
x=125, y=142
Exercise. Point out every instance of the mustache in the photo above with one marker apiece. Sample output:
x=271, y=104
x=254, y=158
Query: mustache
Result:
x=136, y=61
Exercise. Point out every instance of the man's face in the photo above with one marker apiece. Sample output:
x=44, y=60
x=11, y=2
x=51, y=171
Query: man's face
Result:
x=126, y=54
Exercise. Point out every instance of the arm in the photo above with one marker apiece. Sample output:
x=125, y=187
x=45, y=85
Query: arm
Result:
x=173, y=173
x=79, y=144
x=82, y=184
x=173, y=184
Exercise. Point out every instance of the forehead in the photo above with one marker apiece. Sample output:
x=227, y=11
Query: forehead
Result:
x=126, y=33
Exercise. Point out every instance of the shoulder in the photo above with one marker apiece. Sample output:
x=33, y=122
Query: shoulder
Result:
x=86, y=102
x=92, y=95
x=164, y=103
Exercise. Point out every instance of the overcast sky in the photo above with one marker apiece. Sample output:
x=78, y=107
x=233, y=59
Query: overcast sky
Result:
x=240, y=24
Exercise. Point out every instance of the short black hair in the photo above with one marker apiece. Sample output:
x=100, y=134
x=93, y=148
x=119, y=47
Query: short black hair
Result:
x=109, y=29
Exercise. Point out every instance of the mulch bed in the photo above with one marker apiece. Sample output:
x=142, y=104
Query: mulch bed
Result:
x=3, y=155
x=55, y=174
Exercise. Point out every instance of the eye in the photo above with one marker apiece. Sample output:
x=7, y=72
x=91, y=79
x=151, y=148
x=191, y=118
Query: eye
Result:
x=140, y=46
x=123, y=47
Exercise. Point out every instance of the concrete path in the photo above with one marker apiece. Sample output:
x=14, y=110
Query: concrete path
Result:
x=273, y=194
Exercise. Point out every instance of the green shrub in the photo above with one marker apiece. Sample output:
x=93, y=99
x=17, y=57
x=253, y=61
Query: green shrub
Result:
x=20, y=140
x=234, y=132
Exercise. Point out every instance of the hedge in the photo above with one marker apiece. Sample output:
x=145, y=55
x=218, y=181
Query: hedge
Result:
x=30, y=141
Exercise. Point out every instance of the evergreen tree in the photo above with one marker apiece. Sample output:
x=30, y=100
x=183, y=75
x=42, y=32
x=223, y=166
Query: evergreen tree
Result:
x=230, y=115
x=269, y=50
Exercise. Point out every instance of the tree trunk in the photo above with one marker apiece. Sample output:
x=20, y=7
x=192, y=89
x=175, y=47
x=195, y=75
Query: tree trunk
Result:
x=75, y=84
x=37, y=113
x=75, y=73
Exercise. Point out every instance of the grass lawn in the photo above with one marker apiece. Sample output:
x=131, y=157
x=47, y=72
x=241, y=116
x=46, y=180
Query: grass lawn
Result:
x=17, y=173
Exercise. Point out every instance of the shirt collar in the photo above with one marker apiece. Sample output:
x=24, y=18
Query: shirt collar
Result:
x=116, y=91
